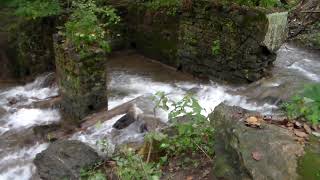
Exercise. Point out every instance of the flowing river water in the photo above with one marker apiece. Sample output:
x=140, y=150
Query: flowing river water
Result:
x=132, y=75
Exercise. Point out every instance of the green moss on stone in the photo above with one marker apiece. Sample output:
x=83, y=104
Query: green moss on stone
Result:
x=309, y=164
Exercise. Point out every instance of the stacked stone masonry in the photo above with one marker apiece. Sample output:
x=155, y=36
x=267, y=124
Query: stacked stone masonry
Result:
x=215, y=41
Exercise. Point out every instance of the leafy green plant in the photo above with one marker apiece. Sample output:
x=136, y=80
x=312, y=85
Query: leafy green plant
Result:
x=85, y=29
x=105, y=146
x=215, y=48
x=87, y=25
x=191, y=136
x=261, y=3
x=130, y=166
x=305, y=104
x=171, y=6
x=93, y=173
x=33, y=9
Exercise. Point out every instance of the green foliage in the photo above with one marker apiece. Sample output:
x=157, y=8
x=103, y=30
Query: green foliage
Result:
x=87, y=25
x=261, y=3
x=171, y=6
x=104, y=146
x=93, y=173
x=306, y=104
x=84, y=28
x=192, y=136
x=215, y=48
x=130, y=166
x=33, y=9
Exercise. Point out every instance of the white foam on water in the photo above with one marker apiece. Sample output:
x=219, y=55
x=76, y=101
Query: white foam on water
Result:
x=306, y=67
x=100, y=131
x=20, y=166
x=29, y=93
x=25, y=118
x=209, y=95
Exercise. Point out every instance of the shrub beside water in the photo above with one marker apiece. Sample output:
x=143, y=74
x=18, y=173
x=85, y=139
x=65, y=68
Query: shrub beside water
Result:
x=305, y=104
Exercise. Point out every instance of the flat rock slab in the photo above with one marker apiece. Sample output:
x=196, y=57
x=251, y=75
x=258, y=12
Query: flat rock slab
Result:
x=243, y=152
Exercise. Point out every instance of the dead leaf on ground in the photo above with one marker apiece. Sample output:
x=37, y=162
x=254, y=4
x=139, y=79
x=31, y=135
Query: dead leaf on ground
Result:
x=289, y=124
x=307, y=128
x=253, y=121
x=189, y=178
x=300, y=140
x=314, y=127
x=205, y=173
x=256, y=155
x=300, y=133
x=297, y=124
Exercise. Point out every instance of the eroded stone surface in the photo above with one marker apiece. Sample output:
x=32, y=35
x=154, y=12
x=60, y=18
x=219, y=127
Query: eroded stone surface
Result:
x=82, y=81
x=64, y=160
x=210, y=40
x=251, y=153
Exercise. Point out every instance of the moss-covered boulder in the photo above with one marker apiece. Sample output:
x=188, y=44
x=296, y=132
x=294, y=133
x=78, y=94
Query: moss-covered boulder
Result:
x=243, y=152
x=82, y=80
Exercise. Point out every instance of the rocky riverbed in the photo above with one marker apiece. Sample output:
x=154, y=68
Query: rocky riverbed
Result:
x=130, y=76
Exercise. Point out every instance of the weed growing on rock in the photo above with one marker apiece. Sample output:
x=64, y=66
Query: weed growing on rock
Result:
x=84, y=27
x=130, y=166
x=87, y=24
x=306, y=104
x=215, y=48
x=171, y=6
x=191, y=131
x=93, y=173
x=36, y=8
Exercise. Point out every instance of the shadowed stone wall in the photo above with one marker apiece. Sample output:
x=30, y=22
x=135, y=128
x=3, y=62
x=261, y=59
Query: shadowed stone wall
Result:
x=227, y=42
x=26, y=45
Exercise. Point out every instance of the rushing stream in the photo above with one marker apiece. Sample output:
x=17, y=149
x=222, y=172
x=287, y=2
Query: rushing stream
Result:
x=132, y=75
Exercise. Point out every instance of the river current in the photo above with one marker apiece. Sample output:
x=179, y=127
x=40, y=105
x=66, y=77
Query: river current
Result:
x=132, y=75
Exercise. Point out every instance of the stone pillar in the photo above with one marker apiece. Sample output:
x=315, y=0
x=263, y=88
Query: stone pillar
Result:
x=82, y=81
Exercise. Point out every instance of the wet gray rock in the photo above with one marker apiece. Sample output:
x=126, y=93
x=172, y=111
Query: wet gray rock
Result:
x=49, y=81
x=43, y=131
x=15, y=100
x=251, y=153
x=64, y=160
x=127, y=119
x=2, y=111
x=142, y=117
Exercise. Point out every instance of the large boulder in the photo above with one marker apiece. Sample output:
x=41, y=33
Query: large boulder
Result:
x=64, y=160
x=243, y=152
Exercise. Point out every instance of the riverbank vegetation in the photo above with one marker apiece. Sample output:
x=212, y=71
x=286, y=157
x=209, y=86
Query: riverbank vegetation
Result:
x=186, y=143
x=83, y=23
x=305, y=105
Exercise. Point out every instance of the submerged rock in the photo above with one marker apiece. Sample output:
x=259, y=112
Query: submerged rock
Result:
x=243, y=152
x=142, y=117
x=64, y=160
x=49, y=81
x=129, y=118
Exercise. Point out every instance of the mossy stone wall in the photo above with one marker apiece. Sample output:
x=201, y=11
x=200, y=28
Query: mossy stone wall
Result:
x=204, y=38
x=27, y=45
